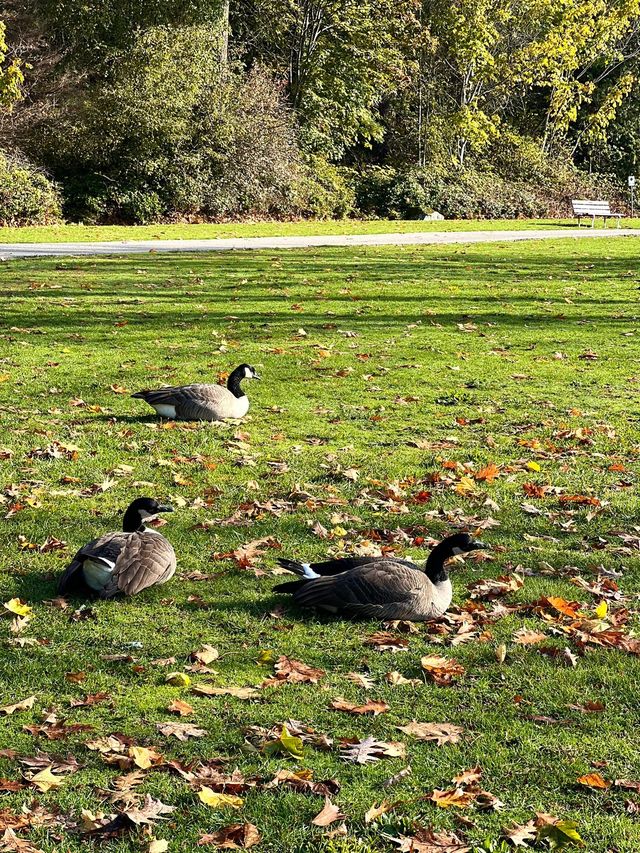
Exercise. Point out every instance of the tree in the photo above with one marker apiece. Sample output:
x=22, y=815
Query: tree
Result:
x=11, y=76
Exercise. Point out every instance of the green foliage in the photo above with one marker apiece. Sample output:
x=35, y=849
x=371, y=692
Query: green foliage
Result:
x=171, y=133
x=323, y=191
x=11, y=76
x=27, y=196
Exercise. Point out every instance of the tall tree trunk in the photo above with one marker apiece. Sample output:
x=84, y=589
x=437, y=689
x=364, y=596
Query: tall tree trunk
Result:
x=224, y=35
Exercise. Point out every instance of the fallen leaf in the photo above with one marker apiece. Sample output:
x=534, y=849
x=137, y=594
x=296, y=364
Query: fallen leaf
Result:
x=593, y=780
x=219, y=801
x=370, y=749
x=285, y=743
x=456, y=797
x=520, y=834
x=441, y=670
x=525, y=637
x=328, y=815
x=17, y=606
x=149, y=811
x=288, y=670
x=377, y=811
x=45, y=780
x=237, y=836
x=181, y=708
x=238, y=692
x=371, y=706
x=205, y=655
x=144, y=757
x=440, y=733
x=24, y=705
x=182, y=731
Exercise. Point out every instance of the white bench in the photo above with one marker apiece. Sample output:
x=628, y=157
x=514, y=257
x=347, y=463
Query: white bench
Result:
x=585, y=207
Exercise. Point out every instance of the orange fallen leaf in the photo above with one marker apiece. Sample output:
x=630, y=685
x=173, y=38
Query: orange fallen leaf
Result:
x=329, y=814
x=593, y=780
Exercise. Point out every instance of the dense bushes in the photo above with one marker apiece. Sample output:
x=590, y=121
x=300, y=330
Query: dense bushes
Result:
x=27, y=196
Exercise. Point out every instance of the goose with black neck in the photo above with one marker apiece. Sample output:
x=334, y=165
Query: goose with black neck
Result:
x=123, y=562
x=200, y=402
x=380, y=587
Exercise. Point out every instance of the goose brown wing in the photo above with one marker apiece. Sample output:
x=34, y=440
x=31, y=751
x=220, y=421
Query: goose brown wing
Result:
x=191, y=402
x=376, y=590
x=147, y=559
x=109, y=546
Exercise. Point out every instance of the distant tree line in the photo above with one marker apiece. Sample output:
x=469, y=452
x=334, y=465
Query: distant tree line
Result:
x=146, y=110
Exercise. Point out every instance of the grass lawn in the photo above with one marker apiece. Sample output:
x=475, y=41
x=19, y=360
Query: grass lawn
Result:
x=87, y=233
x=524, y=356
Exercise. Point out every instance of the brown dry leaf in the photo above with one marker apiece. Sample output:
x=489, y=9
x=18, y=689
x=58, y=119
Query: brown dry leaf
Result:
x=149, y=811
x=288, y=670
x=487, y=474
x=237, y=836
x=237, y=692
x=371, y=706
x=397, y=679
x=10, y=841
x=440, y=733
x=457, y=797
x=593, y=780
x=361, y=680
x=588, y=707
x=489, y=588
x=23, y=705
x=89, y=700
x=248, y=554
x=428, y=841
x=627, y=784
x=441, y=670
x=205, y=655
x=329, y=814
x=468, y=777
x=519, y=835
x=178, y=706
x=182, y=731
x=377, y=811
x=385, y=641
x=525, y=637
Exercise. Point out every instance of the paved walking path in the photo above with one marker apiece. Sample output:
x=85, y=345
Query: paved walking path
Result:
x=437, y=238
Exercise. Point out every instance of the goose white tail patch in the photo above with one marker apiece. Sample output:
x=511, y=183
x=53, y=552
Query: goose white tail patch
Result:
x=308, y=571
x=164, y=410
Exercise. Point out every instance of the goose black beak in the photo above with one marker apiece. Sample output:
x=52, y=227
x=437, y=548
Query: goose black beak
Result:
x=481, y=546
x=255, y=376
x=165, y=508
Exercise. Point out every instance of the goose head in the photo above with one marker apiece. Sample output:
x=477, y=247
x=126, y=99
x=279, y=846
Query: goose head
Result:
x=451, y=546
x=141, y=511
x=244, y=371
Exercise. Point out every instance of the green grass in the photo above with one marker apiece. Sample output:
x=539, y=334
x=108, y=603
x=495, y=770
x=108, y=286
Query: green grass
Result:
x=87, y=233
x=455, y=346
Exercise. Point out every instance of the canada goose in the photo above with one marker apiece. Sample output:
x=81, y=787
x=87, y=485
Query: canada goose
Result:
x=202, y=402
x=123, y=562
x=380, y=587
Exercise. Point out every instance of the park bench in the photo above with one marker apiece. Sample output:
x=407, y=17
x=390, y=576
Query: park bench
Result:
x=586, y=207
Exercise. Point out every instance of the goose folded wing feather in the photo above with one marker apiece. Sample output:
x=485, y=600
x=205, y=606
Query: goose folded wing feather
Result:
x=146, y=559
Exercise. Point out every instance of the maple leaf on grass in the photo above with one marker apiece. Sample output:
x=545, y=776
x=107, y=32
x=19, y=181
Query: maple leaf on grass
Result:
x=150, y=811
x=443, y=671
x=593, y=780
x=439, y=733
x=371, y=706
x=329, y=814
x=457, y=797
x=429, y=841
x=370, y=749
x=290, y=671
x=182, y=731
x=385, y=641
x=377, y=811
x=520, y=834
x=45, y=780
x=178, y=706
x=10, y=841
x=286, y=744
x=237, y=836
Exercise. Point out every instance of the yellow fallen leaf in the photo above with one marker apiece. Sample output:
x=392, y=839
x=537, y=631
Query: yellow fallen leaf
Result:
x=219, y=801
x=178, y=679
x=45, y=780
x=158, y=846
x=533, y=466
x=601, y=610
x=144, y=758
x=15, y=605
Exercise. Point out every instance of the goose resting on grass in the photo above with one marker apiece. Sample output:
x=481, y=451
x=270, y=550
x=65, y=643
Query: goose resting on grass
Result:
x=202, y=402
x=123, y=562
x=383, y=588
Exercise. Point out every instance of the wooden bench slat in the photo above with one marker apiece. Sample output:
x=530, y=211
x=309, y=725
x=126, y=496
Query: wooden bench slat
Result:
x=593, y=208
